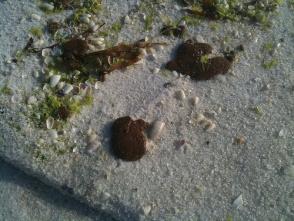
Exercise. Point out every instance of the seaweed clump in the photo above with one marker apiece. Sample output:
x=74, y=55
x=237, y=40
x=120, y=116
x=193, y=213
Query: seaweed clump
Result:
x=76, y=56
x=192, y=58
x=252, y=11
x=128, y=138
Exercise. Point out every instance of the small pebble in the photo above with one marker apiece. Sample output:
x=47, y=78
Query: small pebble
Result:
x=180, y=95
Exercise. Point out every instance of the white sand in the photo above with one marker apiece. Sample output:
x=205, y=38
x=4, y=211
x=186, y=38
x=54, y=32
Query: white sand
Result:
x=197, y=182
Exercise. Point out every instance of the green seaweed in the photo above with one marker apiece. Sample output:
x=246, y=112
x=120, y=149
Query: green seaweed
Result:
x=270, y=64
x=37, y=31
x=5, y=90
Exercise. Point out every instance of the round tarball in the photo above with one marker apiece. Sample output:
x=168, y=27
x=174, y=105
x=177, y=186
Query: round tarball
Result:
x=128, y=138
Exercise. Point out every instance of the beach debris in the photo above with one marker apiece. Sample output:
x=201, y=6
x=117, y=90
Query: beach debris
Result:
x=128, y=138
x=155, y=129
x=238, y=202
x=192, y=59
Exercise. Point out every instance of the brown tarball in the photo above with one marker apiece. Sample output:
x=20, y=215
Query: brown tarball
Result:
x=188, y=61
x=128, y=139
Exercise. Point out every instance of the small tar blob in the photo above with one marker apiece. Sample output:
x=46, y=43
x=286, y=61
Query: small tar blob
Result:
x=192, y=59
x=128, y=139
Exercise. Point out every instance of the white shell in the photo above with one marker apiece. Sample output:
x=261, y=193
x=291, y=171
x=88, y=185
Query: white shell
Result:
x=67, y=88
x=156, y=129
x=47, y=6
x=209, y=126
x=32, y=100
x=50, y=122
x=199, y=117
x=48, y=60
x=16, y=98
x=60, y=85
x=85, y=19
x=54, y=80
x=127, y=20
x=194, y=101
x=238, y=202
x=46, y=52
x=180, y=95
x=36, y=17
x=156, y=70
x=147, y=210
x=53, y=134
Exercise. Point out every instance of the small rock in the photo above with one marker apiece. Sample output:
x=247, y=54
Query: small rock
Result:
x=180, y=95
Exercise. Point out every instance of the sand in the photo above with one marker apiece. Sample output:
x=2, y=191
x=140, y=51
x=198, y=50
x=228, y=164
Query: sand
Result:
x=209, y=177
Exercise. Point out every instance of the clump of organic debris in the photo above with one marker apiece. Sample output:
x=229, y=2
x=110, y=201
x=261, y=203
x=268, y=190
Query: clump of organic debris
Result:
x=252, y=11
x=77, y=56
x=192, y=58
x=128, y=138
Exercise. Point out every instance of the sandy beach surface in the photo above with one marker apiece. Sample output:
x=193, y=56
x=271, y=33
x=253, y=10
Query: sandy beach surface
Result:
x=241, y=168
